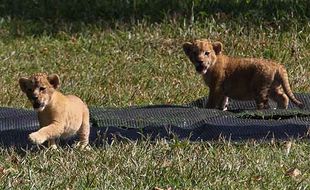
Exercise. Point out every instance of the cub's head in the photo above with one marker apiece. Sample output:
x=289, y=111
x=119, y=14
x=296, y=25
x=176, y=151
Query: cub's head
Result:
x=39, y=89
x=202, y=53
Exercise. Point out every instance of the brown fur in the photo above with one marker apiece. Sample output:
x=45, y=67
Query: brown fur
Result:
x=59, y=115
x=239, y=78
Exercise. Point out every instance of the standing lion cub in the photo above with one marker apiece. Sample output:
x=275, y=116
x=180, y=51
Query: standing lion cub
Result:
x=239, y=78
x=59, y=115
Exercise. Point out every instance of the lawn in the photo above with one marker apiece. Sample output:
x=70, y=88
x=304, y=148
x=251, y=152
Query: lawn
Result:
x=121, y=58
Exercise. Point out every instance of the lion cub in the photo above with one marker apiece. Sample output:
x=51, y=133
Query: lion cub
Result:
x=59, y=115
x=239, y=78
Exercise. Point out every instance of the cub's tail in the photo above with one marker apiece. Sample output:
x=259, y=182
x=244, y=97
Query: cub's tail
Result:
x=286, y=87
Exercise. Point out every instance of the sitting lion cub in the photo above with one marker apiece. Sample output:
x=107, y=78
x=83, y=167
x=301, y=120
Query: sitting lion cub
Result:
x=59, y=115
x=239, y=78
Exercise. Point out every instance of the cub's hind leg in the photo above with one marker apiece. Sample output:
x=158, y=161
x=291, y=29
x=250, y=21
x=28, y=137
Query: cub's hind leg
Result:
x=261, y=98
x=224, y=103
x=84, y=130
x=277, y=95
x=52, y=144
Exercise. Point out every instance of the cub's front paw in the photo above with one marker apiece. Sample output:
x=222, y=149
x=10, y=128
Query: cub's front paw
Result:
x=37, y=138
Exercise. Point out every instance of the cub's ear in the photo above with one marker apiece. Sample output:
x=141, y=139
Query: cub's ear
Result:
x=23, y=83
x=217, y=47
x=54, y=80
x=188, y=48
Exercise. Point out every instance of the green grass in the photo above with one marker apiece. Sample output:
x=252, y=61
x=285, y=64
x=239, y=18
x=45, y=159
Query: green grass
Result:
x=143, y=63
x=128, y=61
x=145, y=165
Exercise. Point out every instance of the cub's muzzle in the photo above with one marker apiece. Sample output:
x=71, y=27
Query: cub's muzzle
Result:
x=36, y=104
x=199, y=68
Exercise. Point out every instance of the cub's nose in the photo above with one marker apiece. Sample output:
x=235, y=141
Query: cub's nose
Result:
x=34, y=97
x=200, y=62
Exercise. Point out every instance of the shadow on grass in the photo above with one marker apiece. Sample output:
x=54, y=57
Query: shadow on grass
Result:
x=50, y=16
x=100, y=137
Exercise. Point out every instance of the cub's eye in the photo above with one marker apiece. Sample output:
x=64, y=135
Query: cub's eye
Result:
x=29, y=89
x=207, y=53
x=42, y=88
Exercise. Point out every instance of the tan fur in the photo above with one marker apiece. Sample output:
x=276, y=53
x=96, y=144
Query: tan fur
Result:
x=59, y=115
x=239, y=78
